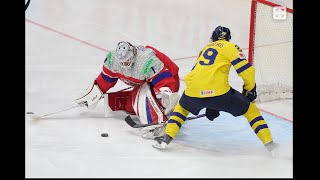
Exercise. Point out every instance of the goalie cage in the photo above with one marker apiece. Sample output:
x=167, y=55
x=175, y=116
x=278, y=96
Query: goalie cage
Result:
x=270, y=49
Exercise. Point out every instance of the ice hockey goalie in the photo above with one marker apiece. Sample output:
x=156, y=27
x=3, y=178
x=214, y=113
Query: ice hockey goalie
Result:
x=153, y=76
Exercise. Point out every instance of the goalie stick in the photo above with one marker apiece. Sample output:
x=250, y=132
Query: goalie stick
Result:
x=133, y=124
x=34, y=116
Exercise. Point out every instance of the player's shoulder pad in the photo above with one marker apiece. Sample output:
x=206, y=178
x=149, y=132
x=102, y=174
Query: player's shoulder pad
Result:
x=235, y=46
x=238, y=50
x=140, y=48
x=148, y=65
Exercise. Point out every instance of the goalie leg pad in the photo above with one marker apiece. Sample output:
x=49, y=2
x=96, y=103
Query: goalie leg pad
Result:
x=118, y=100
x=150, y=132
x=168, y=100
x=146, y=106
x=173, y=100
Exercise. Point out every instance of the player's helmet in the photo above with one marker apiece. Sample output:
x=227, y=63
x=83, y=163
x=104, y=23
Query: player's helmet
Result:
x=125, y=53
x=221, y=33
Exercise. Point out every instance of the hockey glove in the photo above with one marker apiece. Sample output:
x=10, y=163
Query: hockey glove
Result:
x=90, y=97
x=162, y=141
x=251, y=95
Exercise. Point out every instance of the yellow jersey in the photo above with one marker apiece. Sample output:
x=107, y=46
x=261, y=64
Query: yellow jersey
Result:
x=210, y=75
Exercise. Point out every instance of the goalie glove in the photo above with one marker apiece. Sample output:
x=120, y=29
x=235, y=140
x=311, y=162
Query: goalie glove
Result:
x=162, y=141
x=168, y=99
x=90, y=97
x=251, y=95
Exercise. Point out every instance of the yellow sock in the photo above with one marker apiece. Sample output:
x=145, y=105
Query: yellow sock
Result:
x=258, y=124
x=176, y=120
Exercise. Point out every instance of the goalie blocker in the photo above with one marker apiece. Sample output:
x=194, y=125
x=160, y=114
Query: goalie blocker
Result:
x=148, y=108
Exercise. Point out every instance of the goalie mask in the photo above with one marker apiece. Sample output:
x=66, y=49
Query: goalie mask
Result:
x=125, y=53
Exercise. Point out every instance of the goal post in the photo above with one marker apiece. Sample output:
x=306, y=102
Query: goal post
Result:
x=271, y=49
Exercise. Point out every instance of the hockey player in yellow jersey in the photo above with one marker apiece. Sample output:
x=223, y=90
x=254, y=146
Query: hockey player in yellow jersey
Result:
x=207, y=86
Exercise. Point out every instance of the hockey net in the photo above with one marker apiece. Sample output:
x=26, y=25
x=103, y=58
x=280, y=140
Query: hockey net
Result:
x=270, y=48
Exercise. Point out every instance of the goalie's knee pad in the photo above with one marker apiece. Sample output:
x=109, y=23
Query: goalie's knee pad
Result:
x=150, y=132
x=168, y=101
x=117, y=100
x=146, y=105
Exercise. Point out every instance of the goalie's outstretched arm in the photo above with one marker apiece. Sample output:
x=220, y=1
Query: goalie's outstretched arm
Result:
x=106, y=80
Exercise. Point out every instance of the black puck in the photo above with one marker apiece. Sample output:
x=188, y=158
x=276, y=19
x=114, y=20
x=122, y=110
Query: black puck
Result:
x=104, y=135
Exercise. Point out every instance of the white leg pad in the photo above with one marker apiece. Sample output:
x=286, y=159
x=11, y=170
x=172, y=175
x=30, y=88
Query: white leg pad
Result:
x=150, y=132
x=169, y=101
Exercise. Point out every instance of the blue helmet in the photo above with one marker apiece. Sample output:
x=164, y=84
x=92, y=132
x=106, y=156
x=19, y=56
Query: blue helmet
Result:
x=221, y=33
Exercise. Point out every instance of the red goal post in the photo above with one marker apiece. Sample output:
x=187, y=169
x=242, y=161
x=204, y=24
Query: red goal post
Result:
x=270, y=48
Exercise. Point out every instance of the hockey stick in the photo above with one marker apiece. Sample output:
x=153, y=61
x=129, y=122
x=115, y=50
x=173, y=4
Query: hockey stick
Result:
x=33, y=116
x=133, y=124
x=27, y=5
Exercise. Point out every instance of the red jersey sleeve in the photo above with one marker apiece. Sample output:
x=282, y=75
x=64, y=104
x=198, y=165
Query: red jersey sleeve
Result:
x=106, y=80
x=169, y=64
x=164, y=79
x=169, y=76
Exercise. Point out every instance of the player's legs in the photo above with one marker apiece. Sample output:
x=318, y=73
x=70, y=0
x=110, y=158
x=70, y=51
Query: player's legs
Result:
x=128, y=105
x=143, y=102
x=240, y=105
x=181, y=111
x=133, y=96
x=258, y=124
x=177, y=118
x=235, y=103
x=117, y=100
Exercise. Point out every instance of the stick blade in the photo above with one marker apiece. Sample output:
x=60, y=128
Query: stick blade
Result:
x=32, y=116
x=129, y=120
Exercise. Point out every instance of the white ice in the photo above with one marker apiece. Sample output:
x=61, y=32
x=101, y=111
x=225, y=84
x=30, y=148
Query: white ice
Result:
x=66, y=44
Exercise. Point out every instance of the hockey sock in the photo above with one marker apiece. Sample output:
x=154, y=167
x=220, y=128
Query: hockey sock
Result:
x=258, y=124
x=177, y=119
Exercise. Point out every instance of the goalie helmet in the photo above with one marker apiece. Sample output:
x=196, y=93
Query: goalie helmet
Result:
x=125, y=53
x=221, y=33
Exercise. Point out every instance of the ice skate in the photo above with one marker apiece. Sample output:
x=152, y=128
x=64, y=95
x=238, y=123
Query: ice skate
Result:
x=273, y=148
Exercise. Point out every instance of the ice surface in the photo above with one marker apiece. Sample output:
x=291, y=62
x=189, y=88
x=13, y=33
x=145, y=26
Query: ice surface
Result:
x=66, y=43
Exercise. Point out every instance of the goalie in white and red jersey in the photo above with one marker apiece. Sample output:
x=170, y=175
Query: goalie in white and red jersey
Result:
x=153, y=76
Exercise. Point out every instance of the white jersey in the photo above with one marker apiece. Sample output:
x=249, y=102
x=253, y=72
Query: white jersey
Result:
x=145, y=66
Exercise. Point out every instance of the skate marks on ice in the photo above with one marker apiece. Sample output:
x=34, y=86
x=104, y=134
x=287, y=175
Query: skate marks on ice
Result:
x=233, y=135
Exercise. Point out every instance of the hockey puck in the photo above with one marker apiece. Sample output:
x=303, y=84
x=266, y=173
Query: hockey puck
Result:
x=104, y=135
